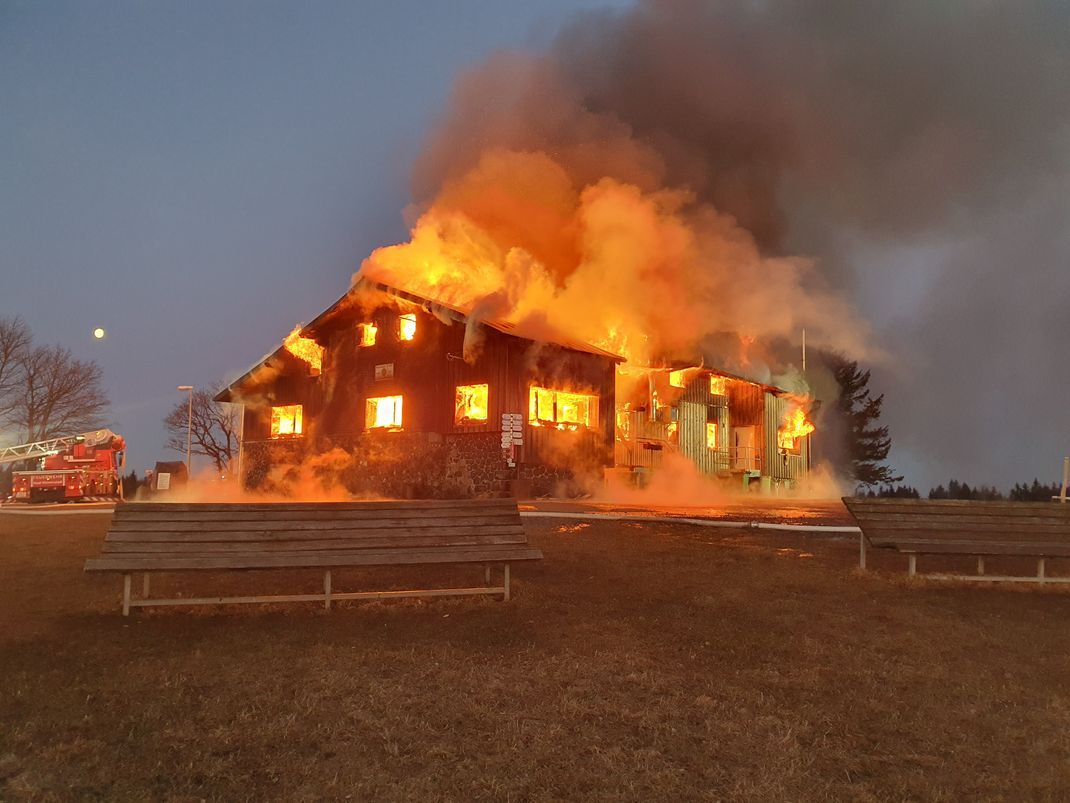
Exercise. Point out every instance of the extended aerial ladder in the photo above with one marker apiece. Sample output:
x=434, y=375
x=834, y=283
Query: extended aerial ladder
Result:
x=53, y=446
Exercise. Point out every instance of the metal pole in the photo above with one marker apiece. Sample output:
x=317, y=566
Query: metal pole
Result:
x=241, y=439
x=189, y=433
x=189, y=439
x=1066, y=479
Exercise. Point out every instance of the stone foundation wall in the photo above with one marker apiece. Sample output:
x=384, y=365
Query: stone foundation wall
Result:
x=396, y=464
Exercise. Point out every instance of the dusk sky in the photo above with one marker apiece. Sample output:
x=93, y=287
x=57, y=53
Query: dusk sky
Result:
x=197, y=178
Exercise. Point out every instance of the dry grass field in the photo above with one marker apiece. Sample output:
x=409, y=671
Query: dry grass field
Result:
x=637, y=662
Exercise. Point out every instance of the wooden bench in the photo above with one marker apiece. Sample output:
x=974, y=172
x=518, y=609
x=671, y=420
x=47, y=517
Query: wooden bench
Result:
x=915, y=527
x=163, y=537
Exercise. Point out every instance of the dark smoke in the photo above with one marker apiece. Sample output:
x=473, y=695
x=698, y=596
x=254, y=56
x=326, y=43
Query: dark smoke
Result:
x=918, y=150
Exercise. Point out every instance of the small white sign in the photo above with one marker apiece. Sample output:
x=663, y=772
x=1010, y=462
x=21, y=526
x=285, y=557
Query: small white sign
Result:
x=163, y=481
x=384, y=371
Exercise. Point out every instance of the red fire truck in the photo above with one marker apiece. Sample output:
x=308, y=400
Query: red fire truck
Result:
x=77, y=467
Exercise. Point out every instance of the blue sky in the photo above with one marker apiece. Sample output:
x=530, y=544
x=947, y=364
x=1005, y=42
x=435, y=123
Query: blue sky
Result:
x=197, y=177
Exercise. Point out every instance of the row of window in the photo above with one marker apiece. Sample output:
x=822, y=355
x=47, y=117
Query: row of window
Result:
x=546, y=407
x=406, y=330
x=718, y=384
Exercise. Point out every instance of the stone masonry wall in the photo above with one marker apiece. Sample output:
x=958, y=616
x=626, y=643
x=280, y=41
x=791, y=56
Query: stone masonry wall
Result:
x=396, y=464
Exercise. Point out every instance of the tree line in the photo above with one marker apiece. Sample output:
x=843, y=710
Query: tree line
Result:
x=1021, y=492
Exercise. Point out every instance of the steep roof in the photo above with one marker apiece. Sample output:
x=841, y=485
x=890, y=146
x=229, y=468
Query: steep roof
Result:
x=540, y=334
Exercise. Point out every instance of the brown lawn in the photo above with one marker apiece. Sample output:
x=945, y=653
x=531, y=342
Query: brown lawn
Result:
x=636, y=662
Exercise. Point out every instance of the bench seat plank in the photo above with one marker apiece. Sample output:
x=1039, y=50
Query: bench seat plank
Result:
x=337, y=524
x=260, y=560
x=308, y=545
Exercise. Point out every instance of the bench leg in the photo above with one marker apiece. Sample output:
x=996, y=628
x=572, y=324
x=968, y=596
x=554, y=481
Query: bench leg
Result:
x=862, y=551
x=980, y=566
x=1040, y=569
x=145, y=586
x=912, y=565
x=327, y=590
x=126, y=595
x=505, y=596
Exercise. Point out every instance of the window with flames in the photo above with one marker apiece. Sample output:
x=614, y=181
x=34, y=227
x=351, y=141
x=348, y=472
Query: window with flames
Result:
x=383, y=412
x=711, y=435
x=407, y=326
x=562, y=409
x=791, y=433
x=471, y=405
x=368, y=332
x=718, y=386
x=286, y=421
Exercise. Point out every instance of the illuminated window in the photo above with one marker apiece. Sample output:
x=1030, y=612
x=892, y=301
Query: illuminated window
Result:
x=676, y=379
x=367, y=334
x=470, y=403
x=286, y=421
x=718, y=385
x=383, y=412
x=711, y=436
x=795, y=427
x=407, y=326
x=562, y=409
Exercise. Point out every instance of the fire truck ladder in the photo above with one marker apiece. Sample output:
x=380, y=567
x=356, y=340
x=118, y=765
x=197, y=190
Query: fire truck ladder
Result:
x=45, y=448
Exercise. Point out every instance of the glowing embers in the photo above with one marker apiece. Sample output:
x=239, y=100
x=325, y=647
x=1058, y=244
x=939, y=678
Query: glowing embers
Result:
x=794, y=429
x=561, y=409
x=718, y=385
x=368, y=331
x=471, y=404
x=407, y=326
x=305, y=348
x=286, y=421
x=383, y=412
x=711, y=435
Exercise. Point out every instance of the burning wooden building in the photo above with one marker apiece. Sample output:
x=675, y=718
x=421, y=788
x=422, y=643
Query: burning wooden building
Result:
x=424, y=400
x=727, y=425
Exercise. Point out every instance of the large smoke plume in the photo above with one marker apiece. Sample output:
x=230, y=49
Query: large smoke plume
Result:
x=689, y=176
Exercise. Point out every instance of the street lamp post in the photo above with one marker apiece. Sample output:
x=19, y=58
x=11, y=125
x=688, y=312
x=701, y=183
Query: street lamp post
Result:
x=189, y=433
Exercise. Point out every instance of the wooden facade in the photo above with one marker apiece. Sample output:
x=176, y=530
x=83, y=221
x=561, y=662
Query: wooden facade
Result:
x=425, y=371
x=725, y=425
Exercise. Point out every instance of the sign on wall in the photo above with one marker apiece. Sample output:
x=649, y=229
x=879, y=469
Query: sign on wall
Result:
x=384, y=371
x=512, y=436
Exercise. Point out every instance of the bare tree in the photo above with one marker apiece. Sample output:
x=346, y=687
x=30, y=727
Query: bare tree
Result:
x=14, y=346
x=56, y=394
x=214, y=431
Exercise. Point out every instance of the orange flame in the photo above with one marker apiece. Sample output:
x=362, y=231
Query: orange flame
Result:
x=304, y=348
x=471, y=403
x=796, y=426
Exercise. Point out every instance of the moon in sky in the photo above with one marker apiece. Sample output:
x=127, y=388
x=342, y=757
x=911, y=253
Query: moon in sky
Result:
x=99, y=333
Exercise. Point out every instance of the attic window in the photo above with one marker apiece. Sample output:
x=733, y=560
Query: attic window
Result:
x=470, y=404
x=383, y=412
x=561, y=408
x=718, y=386
x=407, y=326
x=367, y=334
x=676, y=379
x=286, y=421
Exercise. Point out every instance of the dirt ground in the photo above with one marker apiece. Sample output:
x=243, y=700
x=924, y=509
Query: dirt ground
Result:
x=637, y=661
